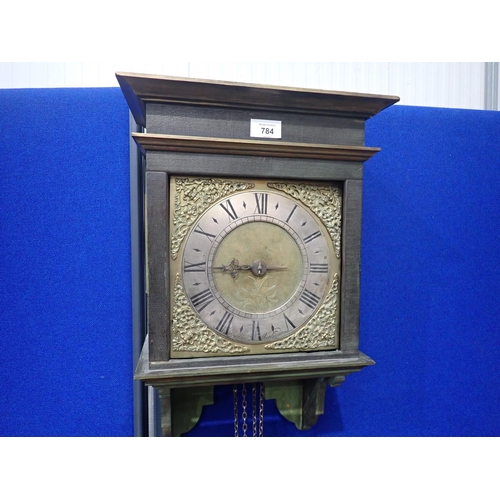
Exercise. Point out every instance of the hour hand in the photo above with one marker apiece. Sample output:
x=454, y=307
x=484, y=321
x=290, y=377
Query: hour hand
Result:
x=233, y=268
x=258, y=268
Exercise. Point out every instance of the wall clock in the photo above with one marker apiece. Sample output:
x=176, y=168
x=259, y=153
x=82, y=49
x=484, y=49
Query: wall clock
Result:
x=252, y=241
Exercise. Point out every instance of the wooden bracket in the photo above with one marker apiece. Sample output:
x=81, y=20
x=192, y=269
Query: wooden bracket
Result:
x=301, y=401
x=188, y=403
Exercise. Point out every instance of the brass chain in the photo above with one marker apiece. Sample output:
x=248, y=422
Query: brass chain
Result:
x=261, y=409
x=244, y=414
x=254, y=409
x=235, y=409
x=257, y=417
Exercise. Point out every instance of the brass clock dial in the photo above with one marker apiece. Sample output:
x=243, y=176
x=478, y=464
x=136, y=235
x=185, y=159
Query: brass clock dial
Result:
x=255, y=265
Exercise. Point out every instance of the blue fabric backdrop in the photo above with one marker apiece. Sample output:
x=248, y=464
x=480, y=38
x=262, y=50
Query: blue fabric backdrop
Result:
x=430, y=275
x=65, y=300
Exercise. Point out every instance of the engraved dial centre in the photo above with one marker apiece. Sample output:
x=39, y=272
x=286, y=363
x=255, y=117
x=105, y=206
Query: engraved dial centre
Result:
x=270, y=266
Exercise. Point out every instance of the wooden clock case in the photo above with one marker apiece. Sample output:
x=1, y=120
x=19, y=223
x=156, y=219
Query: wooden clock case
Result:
x=202, y=128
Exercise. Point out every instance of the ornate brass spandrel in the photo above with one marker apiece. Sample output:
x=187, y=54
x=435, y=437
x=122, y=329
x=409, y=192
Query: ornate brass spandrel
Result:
x=190, y=334
x=320, y=332
x=192, y=198
x=324, y=201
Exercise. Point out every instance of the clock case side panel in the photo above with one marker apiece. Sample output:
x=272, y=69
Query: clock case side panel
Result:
x=157, y=262
x=351, y=255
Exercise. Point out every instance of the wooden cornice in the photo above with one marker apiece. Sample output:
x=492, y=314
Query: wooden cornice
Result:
x=210, y=145
x=140, y=89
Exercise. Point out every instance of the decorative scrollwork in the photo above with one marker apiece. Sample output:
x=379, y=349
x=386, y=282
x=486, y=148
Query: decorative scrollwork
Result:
x=258, y=293
x=190, y=334
x=192, y=198
x=324, y=201
x=320, y=332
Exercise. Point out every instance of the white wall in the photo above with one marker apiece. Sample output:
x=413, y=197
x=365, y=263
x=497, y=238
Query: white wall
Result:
x=440, y=84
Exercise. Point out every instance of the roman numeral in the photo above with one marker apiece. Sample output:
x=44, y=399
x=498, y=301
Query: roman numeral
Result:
x=256, y=330
x=225, y=323
x=194, y=268
x=202, y=299
x=319, y=268
x=310, y=299
x=311, y=237
x=228, y=207
x=261, y=201
x=288, y=321
x=291, y=213
x=199, y=230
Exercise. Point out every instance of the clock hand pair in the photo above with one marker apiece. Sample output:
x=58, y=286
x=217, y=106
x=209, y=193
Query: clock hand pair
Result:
x=258, y=268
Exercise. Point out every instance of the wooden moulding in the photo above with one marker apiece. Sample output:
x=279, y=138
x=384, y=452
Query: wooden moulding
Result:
x=242, y=369
x=139, y=89
x=210, y=145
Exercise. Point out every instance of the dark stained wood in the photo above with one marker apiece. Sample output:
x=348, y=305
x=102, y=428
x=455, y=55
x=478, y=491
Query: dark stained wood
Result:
x=252, y=166
x=166, y=410
x=244, y=369
x=158, y=315
x=232, y=123
x=351, y=254
x=211, y=145
x=139, y=89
